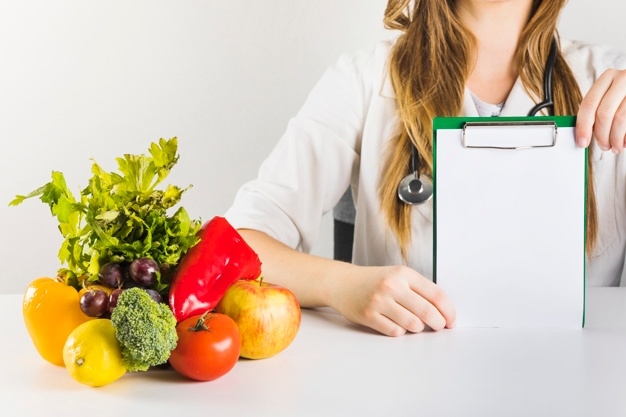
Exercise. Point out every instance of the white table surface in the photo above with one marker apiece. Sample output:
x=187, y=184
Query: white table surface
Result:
x=335, y=368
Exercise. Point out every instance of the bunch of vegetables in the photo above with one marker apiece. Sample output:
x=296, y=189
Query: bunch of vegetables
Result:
x=120, y=217
x=125, y=258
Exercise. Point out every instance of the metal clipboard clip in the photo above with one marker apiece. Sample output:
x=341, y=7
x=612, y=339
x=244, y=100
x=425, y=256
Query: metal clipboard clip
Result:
x=489, y=135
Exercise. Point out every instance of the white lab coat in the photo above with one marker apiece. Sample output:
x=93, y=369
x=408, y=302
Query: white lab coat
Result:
x=339, y=139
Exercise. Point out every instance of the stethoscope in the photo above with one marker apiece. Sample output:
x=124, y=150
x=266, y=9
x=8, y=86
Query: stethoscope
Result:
x=417, y=188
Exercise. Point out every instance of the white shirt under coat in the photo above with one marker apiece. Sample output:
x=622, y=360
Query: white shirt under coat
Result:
x=338, y=139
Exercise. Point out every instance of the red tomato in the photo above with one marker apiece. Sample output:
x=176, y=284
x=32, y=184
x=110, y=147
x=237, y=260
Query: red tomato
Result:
x=208, y=346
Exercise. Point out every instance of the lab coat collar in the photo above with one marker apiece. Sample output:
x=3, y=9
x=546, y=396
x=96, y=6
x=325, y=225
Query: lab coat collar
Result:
x=518, y=102
x=469, y=107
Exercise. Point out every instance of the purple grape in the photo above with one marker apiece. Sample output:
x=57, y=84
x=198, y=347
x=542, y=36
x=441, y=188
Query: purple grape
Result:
x=155, y=295
x=115, y=294
x=144, y=271
x=94, y=303
x=111, y=275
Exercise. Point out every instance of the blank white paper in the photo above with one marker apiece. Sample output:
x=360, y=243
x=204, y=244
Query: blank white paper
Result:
x=509, y=232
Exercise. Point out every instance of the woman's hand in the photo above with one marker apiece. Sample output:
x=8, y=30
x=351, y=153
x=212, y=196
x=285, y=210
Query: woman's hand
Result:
x=393, y=300
x=603, y=112
x=389, y=299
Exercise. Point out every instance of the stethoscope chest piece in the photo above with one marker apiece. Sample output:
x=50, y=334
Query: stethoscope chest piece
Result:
x=415, y=189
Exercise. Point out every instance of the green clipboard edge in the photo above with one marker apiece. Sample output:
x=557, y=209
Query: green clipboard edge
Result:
x=458, y=123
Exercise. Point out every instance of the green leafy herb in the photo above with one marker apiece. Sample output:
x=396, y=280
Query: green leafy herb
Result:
x=120, y=216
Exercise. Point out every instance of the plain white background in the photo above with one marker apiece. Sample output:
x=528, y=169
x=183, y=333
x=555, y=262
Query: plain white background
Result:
x=92, y=79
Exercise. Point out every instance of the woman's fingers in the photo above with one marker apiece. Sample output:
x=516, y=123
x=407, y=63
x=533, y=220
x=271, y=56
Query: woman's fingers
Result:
x=617, y=136
x=413, y=302
x=602, y=112
x=436, y=301
x=586, y=117
x=413, y=312
x=385, y=325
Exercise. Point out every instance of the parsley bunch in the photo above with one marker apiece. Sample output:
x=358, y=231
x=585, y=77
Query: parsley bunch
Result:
x=120, y=216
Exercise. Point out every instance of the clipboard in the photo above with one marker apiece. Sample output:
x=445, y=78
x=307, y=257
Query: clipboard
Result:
x=509, y=220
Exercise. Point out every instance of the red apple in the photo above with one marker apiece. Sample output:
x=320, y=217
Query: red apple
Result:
x=268, y=316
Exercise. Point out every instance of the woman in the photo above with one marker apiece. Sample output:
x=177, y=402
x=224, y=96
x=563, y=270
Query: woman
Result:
x=454, y=57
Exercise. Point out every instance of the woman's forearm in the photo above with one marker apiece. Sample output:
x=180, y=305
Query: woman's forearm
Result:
x=309, y=277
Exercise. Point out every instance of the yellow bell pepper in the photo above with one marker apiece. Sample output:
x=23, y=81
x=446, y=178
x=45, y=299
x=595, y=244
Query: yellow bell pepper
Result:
x=51, y=311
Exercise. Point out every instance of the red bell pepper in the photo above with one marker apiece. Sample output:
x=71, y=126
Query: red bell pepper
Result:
x=207, y=270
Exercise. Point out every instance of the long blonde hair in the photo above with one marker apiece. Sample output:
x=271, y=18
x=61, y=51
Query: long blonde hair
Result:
x=429, y=66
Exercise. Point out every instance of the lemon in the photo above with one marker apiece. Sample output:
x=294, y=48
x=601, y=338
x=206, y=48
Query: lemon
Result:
x=92, y=354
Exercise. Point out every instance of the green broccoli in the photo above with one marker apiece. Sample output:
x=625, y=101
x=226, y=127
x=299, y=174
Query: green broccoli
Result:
x=145, y=329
